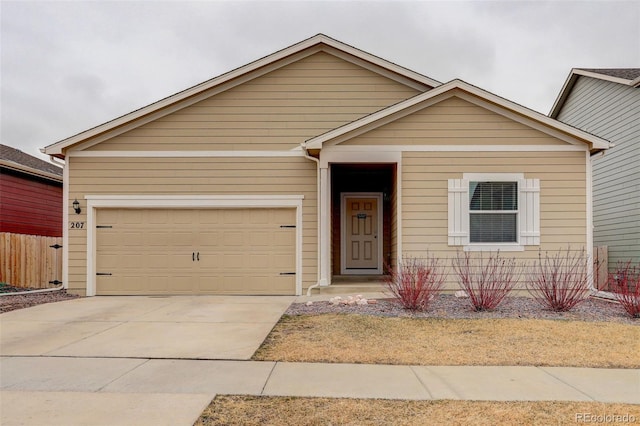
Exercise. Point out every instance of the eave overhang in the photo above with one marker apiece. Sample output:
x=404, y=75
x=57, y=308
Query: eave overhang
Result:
x=452, y=88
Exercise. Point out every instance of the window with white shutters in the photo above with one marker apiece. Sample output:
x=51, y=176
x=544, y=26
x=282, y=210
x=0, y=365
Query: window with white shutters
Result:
x=494, y=211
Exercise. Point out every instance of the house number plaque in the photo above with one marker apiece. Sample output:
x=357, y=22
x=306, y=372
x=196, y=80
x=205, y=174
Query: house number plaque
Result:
x=76, y=225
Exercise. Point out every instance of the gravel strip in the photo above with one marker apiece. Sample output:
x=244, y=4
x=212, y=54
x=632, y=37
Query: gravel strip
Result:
x=11, y=302
x=450, y=307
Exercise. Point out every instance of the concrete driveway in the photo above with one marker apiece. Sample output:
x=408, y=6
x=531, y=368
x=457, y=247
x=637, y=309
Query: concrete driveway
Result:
x=177, y=327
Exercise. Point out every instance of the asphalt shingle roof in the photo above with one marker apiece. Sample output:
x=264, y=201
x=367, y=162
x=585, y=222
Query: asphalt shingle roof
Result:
x=14, y=155
x=626, y=73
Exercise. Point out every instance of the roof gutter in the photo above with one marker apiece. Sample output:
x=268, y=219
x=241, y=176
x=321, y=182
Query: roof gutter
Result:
x=56, y=161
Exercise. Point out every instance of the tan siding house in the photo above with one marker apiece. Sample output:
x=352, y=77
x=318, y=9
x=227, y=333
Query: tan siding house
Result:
x=315, y=162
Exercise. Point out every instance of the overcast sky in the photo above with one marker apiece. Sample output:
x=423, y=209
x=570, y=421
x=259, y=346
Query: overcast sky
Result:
x=69, y=66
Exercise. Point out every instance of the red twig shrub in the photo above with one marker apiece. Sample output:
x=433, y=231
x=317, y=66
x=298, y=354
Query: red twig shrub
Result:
x=561, y=281
x=415, y=282
x=487, y=281
x=625, y=284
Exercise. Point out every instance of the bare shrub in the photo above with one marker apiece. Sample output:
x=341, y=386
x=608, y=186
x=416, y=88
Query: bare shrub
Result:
x=487, y=281
x=625, y=284
x=560, y=281
x=416, y=281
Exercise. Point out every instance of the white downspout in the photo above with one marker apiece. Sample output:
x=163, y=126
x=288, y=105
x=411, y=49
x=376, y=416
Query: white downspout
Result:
x=317, y=161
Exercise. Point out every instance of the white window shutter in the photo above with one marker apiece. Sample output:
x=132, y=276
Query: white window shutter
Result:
x=458, y=212
x=529, y=212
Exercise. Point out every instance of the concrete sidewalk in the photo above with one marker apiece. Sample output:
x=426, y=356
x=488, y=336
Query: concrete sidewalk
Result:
x=61, y=390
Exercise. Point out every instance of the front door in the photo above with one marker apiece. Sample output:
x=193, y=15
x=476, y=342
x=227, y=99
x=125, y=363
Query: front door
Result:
x=362, y=233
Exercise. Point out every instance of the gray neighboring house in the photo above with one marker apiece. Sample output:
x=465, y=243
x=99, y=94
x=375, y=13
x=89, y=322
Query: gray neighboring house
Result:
x=606, y=103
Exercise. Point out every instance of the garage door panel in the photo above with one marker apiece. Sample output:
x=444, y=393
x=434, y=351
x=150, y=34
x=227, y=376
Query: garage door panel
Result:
x=283, y=262
x=154, y=251
x=173, y=242
x=129, y=217
x=260, y=239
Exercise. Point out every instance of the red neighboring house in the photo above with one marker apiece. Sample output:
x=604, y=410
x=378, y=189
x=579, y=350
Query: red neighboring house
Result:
x=30, y=194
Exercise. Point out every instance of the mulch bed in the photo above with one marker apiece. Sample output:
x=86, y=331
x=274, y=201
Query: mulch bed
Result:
x=451, y=307
x=11, y=302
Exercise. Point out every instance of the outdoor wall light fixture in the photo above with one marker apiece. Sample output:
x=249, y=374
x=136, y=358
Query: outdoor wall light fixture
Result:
x=76, y=206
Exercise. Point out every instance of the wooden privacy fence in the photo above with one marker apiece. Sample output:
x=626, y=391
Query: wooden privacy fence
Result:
x=29, y=261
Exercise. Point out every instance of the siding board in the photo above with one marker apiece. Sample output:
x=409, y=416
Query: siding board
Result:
x=611, y=111
x=104, y=176
x=29, y=205
x=424, y=206
x=465, y=124
x=276, y=111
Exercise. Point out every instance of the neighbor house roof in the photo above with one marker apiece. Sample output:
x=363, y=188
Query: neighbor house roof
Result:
x=466, y=91
x=14, y=159
x=624, y=76
x=310, y=46
x=629, y=74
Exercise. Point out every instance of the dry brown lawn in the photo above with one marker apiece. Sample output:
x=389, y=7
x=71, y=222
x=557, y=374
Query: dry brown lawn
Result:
x=251, y=410
x=377, y=340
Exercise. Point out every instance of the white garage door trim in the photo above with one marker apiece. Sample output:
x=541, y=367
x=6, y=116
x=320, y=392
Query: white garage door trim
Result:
x=95, y=202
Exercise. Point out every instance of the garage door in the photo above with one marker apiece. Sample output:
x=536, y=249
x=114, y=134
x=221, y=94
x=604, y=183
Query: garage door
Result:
x=206, y=251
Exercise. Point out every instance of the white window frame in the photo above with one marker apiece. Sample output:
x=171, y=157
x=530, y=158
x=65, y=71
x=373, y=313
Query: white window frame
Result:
x=528, y=213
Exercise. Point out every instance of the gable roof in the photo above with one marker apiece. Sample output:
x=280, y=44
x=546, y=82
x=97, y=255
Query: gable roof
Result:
x=317, y=43
x=624, y=76
x=14, y=159
x=628, y=74
x=469, y=92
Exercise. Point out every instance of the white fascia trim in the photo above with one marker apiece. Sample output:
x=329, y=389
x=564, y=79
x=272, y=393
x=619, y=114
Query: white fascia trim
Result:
x=505, y=108
x=455, y=148
x=571, y=81
x=389, y=70
x=318, y=141
x=255, y=69
x=187, y=201
x=563, y=94
x=184, y=154
x=599, y=76
x=30, y=170
x=382, y=63
x=332, y=155
x=549, y=123
x=526, y=120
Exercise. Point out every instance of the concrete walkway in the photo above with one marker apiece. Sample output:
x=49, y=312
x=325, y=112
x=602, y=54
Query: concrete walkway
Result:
x=96, y=391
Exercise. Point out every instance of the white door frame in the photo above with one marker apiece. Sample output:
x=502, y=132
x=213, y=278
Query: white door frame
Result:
x=343, y=234
x=95, y=202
